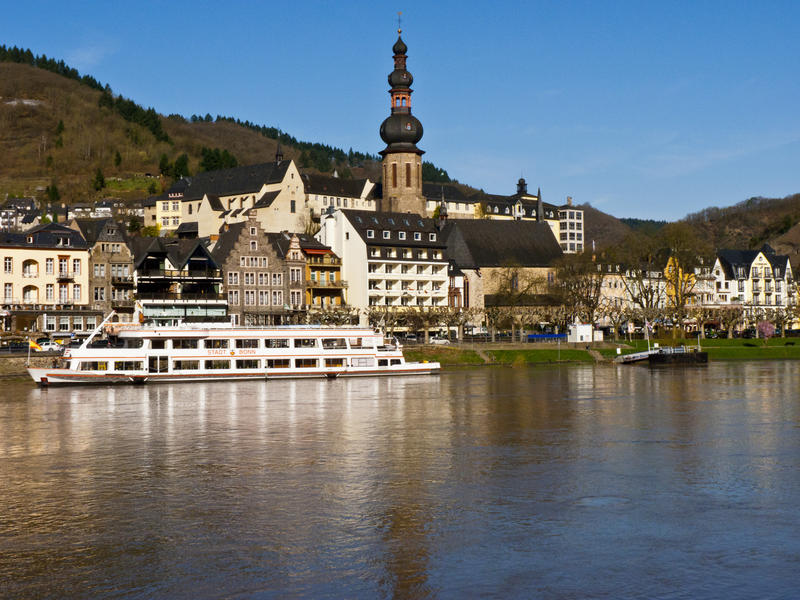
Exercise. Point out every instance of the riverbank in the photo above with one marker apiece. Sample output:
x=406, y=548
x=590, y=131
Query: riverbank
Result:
x=462, y=355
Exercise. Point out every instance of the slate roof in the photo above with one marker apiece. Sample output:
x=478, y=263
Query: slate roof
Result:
x=433, y=191
x=731, y=259
x=187, y=228
x=45, y=236
x=333, y=186
x=267, y=199
x=94, y=230
x=394, y=223
x=177, y=250
x=476, y=243
x=227, y=182
x=226, y=241
x=529, y=204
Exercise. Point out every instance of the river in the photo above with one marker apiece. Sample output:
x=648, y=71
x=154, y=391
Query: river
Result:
x=540, y=482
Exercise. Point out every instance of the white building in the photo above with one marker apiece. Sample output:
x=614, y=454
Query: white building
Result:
x=388, y=259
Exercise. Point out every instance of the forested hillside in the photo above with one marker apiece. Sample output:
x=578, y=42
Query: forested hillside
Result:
x=60, y=128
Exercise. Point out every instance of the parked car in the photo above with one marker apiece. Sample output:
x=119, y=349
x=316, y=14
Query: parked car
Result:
x=411, y=337
x=50, y=346
x=439, y=341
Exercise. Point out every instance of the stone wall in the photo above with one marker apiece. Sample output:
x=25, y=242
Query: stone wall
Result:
x=14, y=366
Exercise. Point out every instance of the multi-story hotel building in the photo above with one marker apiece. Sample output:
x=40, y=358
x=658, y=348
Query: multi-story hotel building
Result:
x=45, y=280
x=388, y=259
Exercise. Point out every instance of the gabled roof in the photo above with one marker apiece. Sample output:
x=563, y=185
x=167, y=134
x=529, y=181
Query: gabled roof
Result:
x=475, y=243
x=333, y=186
x=227, y=182
x=732, y=259
x=94, y=230
x=178, y=251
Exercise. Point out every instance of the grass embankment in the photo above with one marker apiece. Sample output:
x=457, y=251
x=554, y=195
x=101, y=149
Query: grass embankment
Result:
x=549, y=355
x=451, y=356
x=445, y=355
x=722, y=349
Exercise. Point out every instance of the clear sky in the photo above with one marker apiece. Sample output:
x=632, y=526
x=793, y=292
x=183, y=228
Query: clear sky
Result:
x=642, y=109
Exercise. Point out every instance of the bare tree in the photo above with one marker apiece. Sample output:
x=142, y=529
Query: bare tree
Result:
x=729, y=317
x=579, y=282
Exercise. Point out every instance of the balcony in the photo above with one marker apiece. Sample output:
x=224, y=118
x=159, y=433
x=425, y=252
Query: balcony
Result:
x=161, y=297
x=122, y=304
x=319, y=260
x=175, y=274
x=122, y=280
x=326, y=284
x=65, y=275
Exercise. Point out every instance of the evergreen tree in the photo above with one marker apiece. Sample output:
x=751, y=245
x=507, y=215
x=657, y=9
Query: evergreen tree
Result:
x=60, y=127
x=181, y=167
x=164, y=166
x=99, y=181
x=52, y=193
x=117, y=159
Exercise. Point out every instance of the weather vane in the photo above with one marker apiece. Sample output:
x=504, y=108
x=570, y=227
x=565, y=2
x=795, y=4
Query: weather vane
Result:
x=399, y=14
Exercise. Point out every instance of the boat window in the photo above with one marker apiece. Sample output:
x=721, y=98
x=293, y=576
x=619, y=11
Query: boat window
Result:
x=396, y=361
x=278, y=363
x=186, y=365
x=305, y=363
x=132, y=343
x=247, y=343
x=93, y=365
x=249, y=363
x=362, y=361
x=128, y=365
x=158, y=344
x=218, y=364
x=334, y=343
x=276, y=343
x=184, y=343
x=334, y=362
x=216, y=344
x=355, y=342
x=305, y=342
x=382, y=362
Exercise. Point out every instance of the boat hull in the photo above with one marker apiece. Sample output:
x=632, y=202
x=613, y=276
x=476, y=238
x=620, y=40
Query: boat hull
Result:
x=48, y=377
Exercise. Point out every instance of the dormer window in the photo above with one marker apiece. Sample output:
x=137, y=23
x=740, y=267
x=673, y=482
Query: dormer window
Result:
x=30, y=239
x=386, y=234
x=370, y=233
x=432, y=237
x=417, y=236
x=401, y=235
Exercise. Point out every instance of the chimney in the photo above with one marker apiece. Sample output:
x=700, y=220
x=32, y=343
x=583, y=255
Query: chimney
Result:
x=569, y=200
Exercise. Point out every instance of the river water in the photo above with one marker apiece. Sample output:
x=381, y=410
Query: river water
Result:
x=541, y=482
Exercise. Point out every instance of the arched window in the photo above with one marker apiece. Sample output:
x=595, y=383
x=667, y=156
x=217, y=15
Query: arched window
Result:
x=30, y=294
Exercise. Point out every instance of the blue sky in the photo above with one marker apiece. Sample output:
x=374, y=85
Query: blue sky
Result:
x=642, y=109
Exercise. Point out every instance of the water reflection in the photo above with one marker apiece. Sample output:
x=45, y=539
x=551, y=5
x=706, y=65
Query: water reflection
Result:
x=549, y=482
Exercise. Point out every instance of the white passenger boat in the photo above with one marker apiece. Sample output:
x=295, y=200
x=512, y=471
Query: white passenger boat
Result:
x=202, y=352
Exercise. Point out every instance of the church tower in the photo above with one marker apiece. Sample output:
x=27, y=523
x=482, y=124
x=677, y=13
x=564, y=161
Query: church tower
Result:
x=402, y=160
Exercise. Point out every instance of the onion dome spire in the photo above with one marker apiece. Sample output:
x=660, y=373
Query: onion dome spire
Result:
x=401, y=130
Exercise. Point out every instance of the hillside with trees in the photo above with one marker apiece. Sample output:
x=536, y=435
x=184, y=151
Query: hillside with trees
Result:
x=66, y=131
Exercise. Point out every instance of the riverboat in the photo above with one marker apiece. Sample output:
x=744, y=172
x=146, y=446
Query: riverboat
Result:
x=202, y=352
